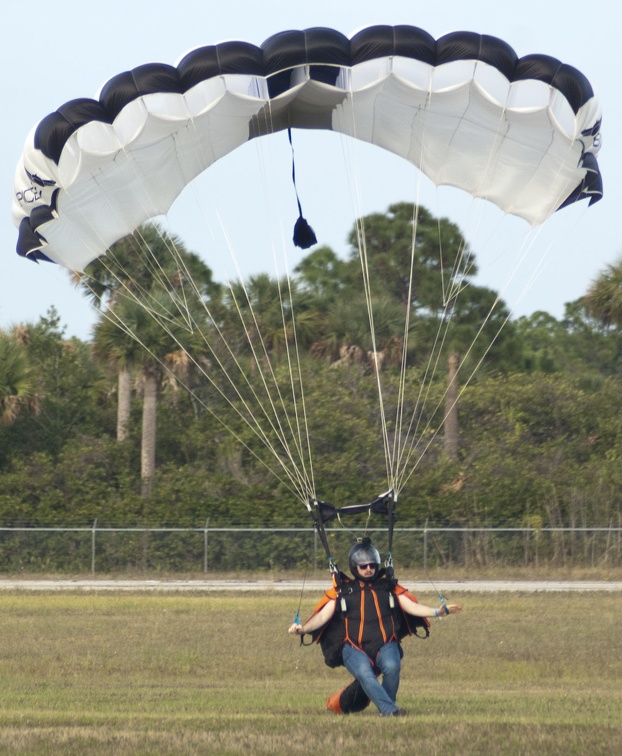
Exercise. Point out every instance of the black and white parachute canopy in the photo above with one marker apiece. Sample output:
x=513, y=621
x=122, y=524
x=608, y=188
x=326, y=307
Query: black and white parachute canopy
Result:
x=464, y=109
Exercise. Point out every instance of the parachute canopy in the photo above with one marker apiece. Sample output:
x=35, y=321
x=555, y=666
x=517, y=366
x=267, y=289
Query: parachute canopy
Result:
x=464, y=109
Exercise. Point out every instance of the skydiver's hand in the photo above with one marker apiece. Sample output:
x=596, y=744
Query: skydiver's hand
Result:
x=451, y=609
x=296, y=629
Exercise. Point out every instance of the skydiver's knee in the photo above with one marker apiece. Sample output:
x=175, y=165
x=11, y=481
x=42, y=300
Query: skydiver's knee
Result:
x=389, y=661
x=391, y=667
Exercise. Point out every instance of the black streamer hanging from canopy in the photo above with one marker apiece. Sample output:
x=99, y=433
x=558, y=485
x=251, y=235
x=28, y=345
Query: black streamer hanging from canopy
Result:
x=304, y=236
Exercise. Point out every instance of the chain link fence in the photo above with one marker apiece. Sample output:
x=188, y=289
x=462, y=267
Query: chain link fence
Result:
x=191, y=550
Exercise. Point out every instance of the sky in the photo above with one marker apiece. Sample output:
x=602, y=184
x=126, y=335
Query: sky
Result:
x=68, y=49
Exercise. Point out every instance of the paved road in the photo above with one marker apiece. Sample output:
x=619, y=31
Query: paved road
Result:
x=453, y=588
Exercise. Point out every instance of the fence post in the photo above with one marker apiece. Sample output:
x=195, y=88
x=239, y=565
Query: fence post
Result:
x=93, y=547
x=315, y=549
x=205, y=545
x=425, y=545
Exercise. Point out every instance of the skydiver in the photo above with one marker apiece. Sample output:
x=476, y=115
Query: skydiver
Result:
x=368, y=632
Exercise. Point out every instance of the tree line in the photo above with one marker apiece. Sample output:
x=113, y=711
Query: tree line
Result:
x=135, y=426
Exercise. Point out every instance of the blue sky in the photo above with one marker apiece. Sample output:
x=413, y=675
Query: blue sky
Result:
x=55, y=52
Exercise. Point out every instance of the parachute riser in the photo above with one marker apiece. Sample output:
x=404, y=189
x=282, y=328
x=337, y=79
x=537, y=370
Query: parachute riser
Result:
x=313, y=506
x=321, y=512
x=391, y=499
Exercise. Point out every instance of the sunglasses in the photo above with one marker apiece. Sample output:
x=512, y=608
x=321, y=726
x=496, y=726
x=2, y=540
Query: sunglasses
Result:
x=369, y=566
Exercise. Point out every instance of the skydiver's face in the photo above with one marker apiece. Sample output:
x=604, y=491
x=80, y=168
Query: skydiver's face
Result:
x=367, y=570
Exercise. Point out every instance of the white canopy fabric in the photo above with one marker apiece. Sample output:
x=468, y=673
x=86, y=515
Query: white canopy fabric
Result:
x=465, y=110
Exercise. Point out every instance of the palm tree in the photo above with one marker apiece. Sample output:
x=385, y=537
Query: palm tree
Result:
x=147, y=286
x=146, y=335
x=604, y=297
x=17, y=378
x=264, y=315
x=450, y=423
x=150, y=259
x=347, y=334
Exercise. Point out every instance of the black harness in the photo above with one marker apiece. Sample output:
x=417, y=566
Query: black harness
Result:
x=336, y=632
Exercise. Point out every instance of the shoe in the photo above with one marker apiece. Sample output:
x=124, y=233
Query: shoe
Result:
x=333, y=703
x=398, y=713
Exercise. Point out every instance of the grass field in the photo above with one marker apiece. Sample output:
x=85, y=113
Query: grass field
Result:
x=185, y=674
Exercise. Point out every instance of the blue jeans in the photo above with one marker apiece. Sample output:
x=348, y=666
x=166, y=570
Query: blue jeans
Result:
x=388, y=662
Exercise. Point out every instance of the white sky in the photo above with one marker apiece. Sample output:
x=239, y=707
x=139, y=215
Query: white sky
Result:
x=54, y=52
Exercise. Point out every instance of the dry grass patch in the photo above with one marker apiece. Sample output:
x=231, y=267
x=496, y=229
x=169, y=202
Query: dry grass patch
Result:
x=201, y=673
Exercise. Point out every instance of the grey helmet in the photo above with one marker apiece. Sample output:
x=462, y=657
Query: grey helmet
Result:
x=363, y=553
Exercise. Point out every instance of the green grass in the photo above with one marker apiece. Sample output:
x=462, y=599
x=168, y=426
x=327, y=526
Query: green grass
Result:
x=207, y=673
